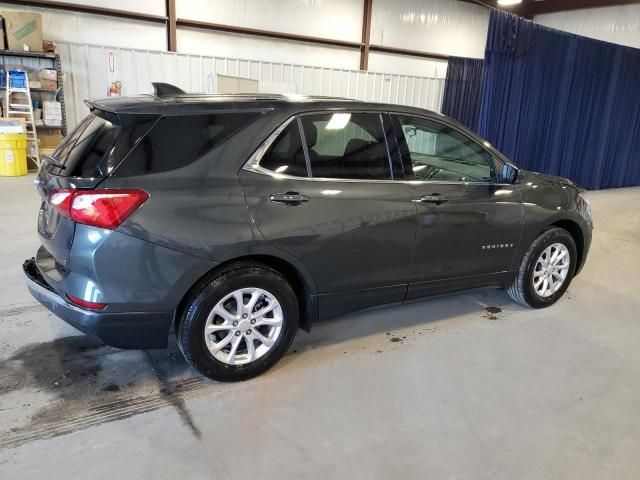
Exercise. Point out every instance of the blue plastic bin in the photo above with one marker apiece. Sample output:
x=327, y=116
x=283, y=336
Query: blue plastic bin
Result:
x=17, y=79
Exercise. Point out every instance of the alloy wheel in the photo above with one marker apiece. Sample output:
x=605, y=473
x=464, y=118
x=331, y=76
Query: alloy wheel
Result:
x=551, y=270
x=243, y=326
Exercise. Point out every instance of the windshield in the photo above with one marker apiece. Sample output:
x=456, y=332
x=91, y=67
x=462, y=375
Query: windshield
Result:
x=83, y=150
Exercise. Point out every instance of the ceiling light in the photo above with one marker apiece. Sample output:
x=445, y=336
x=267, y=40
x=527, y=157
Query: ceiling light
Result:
x=508, y=2
x=338, y=121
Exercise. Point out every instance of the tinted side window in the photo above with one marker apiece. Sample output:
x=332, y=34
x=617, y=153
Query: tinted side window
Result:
x=438, y=152
x=346, y=145
x=286, y=155
x=176, y=141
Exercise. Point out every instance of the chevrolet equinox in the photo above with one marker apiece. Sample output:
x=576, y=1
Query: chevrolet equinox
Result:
x=237, y=219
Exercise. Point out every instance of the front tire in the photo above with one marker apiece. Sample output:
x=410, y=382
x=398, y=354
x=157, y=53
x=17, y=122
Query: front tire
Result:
x=546, y=269
x=238, y=323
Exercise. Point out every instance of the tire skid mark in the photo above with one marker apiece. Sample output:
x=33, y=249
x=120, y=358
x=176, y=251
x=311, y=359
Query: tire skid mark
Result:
x=19, y=310
x=100, y=413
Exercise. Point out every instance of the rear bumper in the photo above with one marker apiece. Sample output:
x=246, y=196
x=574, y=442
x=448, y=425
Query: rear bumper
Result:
x=117, y=329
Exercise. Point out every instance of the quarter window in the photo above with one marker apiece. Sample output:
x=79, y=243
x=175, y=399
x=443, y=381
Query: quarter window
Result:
x=177, y=141
x=438, y=152
x=286, y=155
x=346, y=145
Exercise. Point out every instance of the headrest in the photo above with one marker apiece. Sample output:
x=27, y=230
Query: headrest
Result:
x=310, y=133
x=355, y=145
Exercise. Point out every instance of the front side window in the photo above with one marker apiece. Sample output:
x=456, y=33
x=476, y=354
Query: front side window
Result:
x=346, y=146
x=437, y=152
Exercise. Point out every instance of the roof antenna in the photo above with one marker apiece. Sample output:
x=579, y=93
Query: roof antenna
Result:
x=166, y=90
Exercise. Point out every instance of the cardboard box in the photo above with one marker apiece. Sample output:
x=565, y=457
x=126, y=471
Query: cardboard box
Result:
x=19, y=98
x=50, y=84
x=48, y=78
x=22, y=31
x=49, y=139
x=52, y=109
x=3, y=39
x=52, y=122
x=12, y=125
x=47, y=151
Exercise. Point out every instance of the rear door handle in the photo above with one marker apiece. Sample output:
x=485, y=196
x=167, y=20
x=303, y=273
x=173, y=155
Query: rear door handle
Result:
x=433, y=198
x=288, y=198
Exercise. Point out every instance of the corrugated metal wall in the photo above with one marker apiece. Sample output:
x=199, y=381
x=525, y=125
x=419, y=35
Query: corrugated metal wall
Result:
x=89, y=72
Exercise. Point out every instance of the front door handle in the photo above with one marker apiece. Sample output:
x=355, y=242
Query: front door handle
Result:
x=433, y=198
x=288, y=198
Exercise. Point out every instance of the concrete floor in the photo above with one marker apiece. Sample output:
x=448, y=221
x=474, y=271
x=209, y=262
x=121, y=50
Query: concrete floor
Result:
x=439, y=389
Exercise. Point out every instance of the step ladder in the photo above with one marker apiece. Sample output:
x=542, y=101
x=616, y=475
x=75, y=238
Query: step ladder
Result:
x=18, y=106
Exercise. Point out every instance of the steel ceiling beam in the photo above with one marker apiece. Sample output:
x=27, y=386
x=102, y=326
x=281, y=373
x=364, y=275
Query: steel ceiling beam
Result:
x=76, y=7
x=366, y=34
x=552, y=6
x=531, y=8
x=172, y=42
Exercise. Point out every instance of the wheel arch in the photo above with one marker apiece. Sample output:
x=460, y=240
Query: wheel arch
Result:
x=578, y=237
x=299, y=279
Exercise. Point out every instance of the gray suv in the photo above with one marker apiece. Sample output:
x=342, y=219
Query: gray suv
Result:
x=236, y=220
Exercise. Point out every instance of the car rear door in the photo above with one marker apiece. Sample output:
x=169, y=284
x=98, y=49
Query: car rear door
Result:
x=324, y=192
x=469, y=216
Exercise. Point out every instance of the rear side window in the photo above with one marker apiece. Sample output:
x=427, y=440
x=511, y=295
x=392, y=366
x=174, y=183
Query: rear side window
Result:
x=82, y=151
x=176, y=141
x=286, y=154
x=346, y=145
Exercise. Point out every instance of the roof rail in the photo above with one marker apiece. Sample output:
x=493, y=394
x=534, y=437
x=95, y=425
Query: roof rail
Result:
x=166, y=89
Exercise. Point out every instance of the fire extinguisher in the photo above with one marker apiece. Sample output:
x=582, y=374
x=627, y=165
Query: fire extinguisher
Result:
x=115, y=89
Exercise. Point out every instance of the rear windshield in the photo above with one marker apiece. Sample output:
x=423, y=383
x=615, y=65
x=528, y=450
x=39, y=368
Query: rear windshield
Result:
x=82, y=151
x=178, y=140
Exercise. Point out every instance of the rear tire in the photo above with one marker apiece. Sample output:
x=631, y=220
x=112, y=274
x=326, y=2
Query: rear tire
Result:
x=250, y=314
x=545, y=261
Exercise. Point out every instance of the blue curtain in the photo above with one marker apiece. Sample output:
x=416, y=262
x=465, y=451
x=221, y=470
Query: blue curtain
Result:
x=463, y=90
x=561, y=103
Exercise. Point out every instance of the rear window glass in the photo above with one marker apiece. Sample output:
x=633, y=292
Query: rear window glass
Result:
x=176, y=141
x=82, y=151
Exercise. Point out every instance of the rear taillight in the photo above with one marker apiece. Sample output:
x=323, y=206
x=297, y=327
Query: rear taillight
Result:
x=85, y=304
x=106, y=208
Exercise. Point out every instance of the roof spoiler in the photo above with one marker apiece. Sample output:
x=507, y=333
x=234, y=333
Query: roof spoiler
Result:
x=166, y=89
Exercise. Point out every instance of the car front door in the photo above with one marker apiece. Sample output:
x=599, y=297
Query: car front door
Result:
x=324, y=192
x=469, y=216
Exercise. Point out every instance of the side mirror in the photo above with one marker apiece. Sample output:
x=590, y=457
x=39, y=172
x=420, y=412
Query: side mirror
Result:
x=410, y=130
x=509, y=173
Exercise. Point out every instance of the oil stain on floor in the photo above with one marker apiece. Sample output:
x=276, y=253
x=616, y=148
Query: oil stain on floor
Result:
x=492, y=313
x=94, y=384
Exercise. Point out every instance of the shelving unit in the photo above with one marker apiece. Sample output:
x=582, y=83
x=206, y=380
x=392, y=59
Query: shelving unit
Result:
x=37, y=61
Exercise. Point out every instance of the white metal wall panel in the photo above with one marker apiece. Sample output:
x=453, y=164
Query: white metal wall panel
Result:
x=421, y=67
x=88, y=76
x=449, y=27
x=66, y=26
x=616, y=24
x=335, y=19
x=203, y=42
